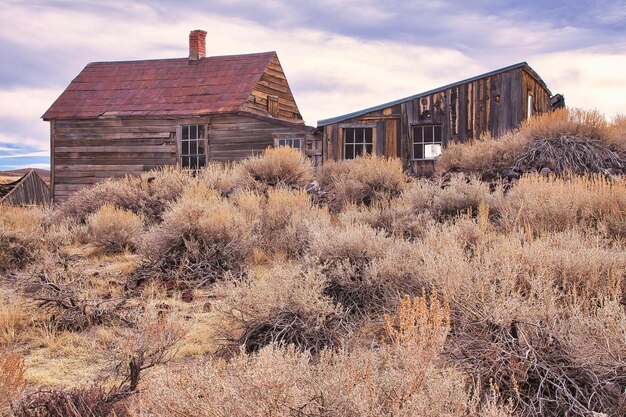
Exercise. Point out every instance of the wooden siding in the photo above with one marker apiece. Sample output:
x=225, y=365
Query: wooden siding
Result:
x=28, y=190
x=274, y=83
x=489, y=105
x=88, y=151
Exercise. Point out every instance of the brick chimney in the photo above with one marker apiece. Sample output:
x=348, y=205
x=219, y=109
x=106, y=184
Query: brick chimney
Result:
x=197, y=44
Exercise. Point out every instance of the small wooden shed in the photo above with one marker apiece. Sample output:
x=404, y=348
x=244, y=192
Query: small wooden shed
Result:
x=416, y=128
x=119, y=118
x=31, y=189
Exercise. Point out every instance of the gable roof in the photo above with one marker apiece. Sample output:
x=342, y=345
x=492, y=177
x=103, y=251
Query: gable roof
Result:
x=161, y=87
x=358, y=113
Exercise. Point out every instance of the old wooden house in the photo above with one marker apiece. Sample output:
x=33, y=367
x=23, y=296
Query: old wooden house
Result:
x=28, y=190
x=416, y=128
x=119, y=118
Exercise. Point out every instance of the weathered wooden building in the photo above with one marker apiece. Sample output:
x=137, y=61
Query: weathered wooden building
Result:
x=31, y=189
x=118, y=118
x=416, y=128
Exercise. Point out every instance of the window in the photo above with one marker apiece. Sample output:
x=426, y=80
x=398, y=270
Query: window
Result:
x=426, y=141
x=193, y=146
x=529, y=110
x=292, y=143
x=357, y=141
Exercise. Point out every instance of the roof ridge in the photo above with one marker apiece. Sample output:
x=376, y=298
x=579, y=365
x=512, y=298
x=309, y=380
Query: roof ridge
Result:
x=134, y=61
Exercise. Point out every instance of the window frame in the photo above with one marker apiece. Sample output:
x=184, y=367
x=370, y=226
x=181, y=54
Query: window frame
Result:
x=291, y=139
x=423, y=141
x=530, y=104
x=199, y=139
x=342, y=135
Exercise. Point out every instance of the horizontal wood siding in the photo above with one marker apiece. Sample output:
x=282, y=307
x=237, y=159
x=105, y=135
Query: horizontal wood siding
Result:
x=88, y=151
x=274, y=83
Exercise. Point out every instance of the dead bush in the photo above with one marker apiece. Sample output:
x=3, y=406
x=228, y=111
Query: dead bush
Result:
x=202, y=236
x=77, y=402
x=461, y=196
x=283, y=166
x=543, y=204
x=286, y=218
x=397, y=217
x=361, y=181
x=126, y=193
x=566, y=140
x=283, y=305
x=20, y=237
x=365, y=270
x=226, y=178
x=162, y=186
x=397, y=378
x=11, y=379
x=113, y=229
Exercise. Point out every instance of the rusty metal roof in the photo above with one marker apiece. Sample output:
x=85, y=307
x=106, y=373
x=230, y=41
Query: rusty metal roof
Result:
x=162, y=87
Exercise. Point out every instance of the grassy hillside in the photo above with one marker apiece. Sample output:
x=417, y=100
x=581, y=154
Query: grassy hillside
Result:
x=248, y=289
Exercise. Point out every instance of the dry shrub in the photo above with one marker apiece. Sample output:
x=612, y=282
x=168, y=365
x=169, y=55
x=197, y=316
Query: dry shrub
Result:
x=226, y=178
x=566, y=140
x=542, y=204
x=113, y=229
x=126, y=193
x=202, y=236
x=397, y=217
x=11, y=379
x=461, y=196
x=361, y=180
x=283, y=305
x=515, y=301
x=162, y=186
x=399, y=378
x=365, y=270
x=286, y=218
x=77, y=402
x=486, y=157
x=20, y=237
x=283, y=166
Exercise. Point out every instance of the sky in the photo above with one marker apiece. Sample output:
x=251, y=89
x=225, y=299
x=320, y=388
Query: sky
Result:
x=339, y=55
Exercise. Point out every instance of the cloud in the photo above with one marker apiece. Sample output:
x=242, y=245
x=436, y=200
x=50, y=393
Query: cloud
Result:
x=339, y=56
x=27, y=155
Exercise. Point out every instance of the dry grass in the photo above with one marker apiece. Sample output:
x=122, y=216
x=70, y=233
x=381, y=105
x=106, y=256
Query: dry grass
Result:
x=540, y=204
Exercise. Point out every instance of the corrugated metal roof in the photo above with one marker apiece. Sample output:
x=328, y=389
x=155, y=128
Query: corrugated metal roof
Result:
x=358, y=113
x=172, y=87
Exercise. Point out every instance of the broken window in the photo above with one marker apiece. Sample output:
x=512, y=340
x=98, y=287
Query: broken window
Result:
x=426, y=142
x=193, y=146
x=357, y=141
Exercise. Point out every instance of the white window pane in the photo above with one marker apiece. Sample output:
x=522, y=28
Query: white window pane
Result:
x=432, y=151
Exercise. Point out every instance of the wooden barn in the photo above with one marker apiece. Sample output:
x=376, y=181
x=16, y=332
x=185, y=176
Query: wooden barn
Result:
x=31, y=189
x=416, y=128
x=118, y=118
